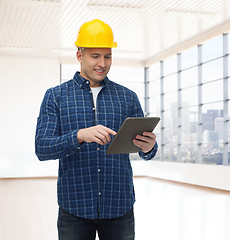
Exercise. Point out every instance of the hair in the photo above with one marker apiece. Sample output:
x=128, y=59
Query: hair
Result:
x=81, y=49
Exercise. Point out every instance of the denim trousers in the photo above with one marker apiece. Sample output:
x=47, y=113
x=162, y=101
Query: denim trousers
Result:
x=71, y=227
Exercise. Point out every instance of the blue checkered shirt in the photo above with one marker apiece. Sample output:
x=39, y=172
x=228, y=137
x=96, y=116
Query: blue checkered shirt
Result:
x=91, y=184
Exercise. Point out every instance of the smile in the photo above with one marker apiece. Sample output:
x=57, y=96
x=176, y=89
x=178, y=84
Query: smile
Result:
x=99, y=71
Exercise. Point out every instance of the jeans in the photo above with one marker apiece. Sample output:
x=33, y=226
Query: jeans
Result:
x=71, y=227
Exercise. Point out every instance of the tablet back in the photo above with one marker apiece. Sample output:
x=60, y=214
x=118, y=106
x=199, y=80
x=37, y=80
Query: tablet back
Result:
x=123, y=141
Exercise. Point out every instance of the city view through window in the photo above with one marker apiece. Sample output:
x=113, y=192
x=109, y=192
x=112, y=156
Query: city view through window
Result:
x=191, y=94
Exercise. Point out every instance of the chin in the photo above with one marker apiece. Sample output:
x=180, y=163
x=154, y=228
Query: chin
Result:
x=99, y=79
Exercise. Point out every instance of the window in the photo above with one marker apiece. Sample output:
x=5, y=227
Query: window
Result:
x=154, y=71
x=193, y=103
x=212, y=70
x=212, y=133
x=212, y=91
x=170, y=65
x=154, y=90
x=189, y=96
x=189, y=58
x=189, y=77
x=213, y=49
x=189, y=140
x=170, y=83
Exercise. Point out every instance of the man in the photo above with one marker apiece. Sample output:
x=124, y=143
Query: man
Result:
x=76, y=123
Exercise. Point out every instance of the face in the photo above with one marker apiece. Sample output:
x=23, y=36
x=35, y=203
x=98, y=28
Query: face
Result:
x=95, y=64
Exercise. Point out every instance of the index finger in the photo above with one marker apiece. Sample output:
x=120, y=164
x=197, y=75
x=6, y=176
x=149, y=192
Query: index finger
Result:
x=108, y=130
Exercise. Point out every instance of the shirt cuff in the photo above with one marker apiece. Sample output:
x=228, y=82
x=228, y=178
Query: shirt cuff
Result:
x=73, y=143
x=149, y=155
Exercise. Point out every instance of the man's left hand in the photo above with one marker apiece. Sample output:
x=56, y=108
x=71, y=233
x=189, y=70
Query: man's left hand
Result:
x=145, y=142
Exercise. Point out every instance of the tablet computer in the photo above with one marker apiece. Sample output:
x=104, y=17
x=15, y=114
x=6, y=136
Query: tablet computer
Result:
x=132, y=126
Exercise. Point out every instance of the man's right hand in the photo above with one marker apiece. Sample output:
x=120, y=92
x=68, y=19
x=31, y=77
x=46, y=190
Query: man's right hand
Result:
x=99, y=134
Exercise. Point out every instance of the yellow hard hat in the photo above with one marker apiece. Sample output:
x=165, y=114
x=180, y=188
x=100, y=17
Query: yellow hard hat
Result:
x=95, y=34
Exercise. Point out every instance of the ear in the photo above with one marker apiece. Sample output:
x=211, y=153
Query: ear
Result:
x=79, y=56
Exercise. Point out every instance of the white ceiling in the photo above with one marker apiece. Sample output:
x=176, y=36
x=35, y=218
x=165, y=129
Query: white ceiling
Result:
x=145, y=30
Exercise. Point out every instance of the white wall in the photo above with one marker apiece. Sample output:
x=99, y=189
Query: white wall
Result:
x=23, y=82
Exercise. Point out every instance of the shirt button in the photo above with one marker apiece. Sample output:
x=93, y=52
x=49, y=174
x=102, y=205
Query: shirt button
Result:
x=94, y=109
x=90, y=91
x=98, y=149
x=99, y=170
x=87, y=82
x=99, y=193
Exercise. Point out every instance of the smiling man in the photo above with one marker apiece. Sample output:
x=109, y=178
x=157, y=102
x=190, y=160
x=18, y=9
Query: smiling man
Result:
x=95, y=64
x=76, y=123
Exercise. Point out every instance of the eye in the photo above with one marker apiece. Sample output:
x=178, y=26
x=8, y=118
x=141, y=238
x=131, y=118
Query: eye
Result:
x=94, y=56
x=108, y=56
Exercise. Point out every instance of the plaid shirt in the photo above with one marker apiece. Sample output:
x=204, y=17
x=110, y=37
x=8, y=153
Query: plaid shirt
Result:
x=91, y=184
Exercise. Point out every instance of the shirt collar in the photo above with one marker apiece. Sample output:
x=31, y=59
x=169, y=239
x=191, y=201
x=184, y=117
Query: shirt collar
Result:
x=82, y=82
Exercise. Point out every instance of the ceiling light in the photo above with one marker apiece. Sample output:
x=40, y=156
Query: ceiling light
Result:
x=188, y=12
x=38, y=2
x=114, y=5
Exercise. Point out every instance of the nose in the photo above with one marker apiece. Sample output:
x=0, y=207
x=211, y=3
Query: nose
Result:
x=102, y=62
